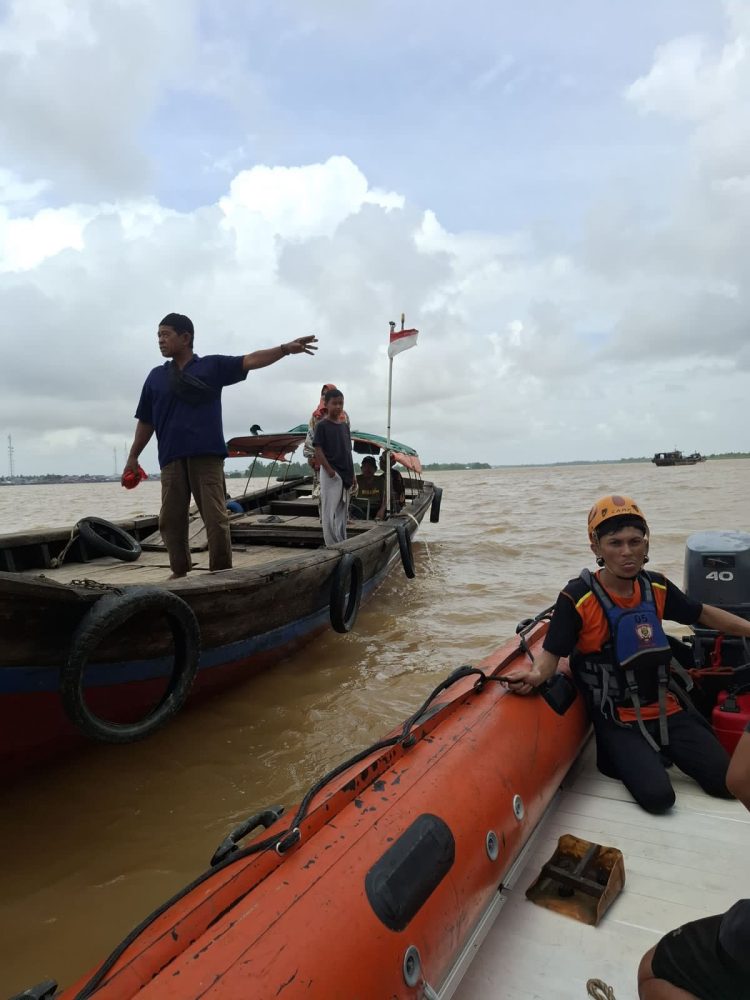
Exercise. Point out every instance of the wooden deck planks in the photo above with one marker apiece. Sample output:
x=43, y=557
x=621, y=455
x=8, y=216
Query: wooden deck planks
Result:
x=152, y=567
x=690, y=863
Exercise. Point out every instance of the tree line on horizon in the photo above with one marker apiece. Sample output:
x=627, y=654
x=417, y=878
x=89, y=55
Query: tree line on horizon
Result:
x=263, y=468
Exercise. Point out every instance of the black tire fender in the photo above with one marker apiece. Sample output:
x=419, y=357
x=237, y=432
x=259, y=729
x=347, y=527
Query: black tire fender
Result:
x=106, y=539
x=405, y=549
x=108, y=614
x=346, y=592
x=435, y=505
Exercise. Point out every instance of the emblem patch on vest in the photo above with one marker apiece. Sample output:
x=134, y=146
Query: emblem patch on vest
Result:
x=645, y=633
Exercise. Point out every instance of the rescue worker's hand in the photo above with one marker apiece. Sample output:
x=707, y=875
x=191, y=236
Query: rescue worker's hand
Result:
x=523, y=680
x=331, y=473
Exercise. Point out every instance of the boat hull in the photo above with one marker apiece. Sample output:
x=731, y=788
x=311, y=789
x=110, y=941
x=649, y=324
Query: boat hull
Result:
x=392, y=855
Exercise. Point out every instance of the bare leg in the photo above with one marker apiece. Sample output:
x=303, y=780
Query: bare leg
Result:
x=651, y=988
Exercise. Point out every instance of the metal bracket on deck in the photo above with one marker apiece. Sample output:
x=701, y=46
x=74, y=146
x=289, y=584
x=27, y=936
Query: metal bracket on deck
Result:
x=580, y=880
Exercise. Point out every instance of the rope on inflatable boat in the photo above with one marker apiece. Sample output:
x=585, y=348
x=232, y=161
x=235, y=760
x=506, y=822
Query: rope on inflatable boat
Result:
x=599, y=990
x=281, y=842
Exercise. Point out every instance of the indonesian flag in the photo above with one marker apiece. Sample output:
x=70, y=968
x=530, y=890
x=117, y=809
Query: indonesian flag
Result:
x=401, y=340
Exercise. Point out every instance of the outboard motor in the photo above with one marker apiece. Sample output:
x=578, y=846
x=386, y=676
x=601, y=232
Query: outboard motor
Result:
x=717, y=570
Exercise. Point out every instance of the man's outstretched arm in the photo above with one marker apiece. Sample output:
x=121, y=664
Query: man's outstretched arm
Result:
x=270, y=355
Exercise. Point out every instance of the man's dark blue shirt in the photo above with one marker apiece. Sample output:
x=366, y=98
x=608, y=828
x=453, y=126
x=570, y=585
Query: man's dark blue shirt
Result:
x=183, y=429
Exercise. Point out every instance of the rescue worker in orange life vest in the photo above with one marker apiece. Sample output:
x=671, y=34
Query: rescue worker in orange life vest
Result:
x=609, y=624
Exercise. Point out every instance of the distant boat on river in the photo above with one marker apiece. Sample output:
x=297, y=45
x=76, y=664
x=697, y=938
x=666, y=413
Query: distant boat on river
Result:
x=677, y=458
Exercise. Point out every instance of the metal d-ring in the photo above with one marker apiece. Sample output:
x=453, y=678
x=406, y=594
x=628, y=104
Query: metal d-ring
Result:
x=492, y=846
x=412, y=966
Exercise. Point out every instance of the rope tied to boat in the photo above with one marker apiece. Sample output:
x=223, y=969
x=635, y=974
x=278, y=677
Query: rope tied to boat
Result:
x=405, y=513
x=598, y=990
x=59, y=560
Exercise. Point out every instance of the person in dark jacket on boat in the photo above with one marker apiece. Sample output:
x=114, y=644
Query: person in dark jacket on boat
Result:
x=181, y=403
x=706, y=959
x=333, y=451
x=609, y=624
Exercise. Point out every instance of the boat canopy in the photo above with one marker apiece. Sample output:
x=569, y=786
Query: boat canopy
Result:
x=277, y=447
x=281, y=447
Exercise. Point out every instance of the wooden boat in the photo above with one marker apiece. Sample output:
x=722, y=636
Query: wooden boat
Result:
x=97, y=646
x=677, y=458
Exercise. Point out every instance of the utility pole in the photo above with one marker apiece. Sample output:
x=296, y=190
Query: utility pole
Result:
x=10, y=455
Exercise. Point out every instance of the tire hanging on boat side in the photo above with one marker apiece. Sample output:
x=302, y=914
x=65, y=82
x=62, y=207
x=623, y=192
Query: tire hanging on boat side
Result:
x=346, y=592
x=404, y=547
x=102, y=538
x=108, y=614
x=435, y=505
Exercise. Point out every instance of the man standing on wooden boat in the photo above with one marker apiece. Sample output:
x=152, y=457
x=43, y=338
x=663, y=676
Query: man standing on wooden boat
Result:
x=609, y=624
x=333, y=451
x=181, y=402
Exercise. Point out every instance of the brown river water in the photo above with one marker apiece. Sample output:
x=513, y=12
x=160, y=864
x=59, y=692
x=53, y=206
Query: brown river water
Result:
x=91, y=845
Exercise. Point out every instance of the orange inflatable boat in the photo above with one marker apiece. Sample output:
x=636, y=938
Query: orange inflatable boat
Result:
x=374, y=884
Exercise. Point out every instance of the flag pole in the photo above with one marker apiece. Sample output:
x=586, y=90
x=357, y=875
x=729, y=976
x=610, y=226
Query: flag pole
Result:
x=397, y=342
x=388, y=428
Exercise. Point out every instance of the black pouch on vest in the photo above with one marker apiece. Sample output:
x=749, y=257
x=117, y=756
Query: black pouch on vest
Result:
x=559, y=692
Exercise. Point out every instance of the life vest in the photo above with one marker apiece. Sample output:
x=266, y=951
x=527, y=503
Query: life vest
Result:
x=634, y=666
x=371, y=492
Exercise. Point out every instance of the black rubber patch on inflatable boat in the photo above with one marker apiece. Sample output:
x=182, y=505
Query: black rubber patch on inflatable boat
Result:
x=401, y=881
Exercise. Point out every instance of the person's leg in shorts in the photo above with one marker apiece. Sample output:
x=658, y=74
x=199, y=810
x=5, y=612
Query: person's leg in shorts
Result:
x=688, y=963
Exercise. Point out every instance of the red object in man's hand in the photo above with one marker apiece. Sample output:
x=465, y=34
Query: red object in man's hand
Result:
x=131, y=479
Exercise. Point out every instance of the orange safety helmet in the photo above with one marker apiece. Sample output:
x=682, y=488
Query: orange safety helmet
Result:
x=608, y=507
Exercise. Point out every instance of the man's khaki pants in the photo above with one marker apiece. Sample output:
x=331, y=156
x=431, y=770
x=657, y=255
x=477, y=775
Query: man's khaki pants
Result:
x=203, y=476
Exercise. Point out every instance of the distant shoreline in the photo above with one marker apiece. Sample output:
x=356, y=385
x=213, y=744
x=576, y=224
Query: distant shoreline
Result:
x=62, y=480
x=474, y=466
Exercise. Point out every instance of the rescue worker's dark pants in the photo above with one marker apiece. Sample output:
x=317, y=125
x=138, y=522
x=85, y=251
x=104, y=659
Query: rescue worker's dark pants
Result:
x=623, y=753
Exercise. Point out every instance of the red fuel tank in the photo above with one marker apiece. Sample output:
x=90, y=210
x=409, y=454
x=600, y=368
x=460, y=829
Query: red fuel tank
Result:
x=730, y=716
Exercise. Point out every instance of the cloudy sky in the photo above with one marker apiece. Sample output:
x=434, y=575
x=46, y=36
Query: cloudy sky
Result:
x=557, y=195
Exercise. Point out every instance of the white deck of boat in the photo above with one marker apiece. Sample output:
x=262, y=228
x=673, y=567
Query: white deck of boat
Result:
x=693, y=862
